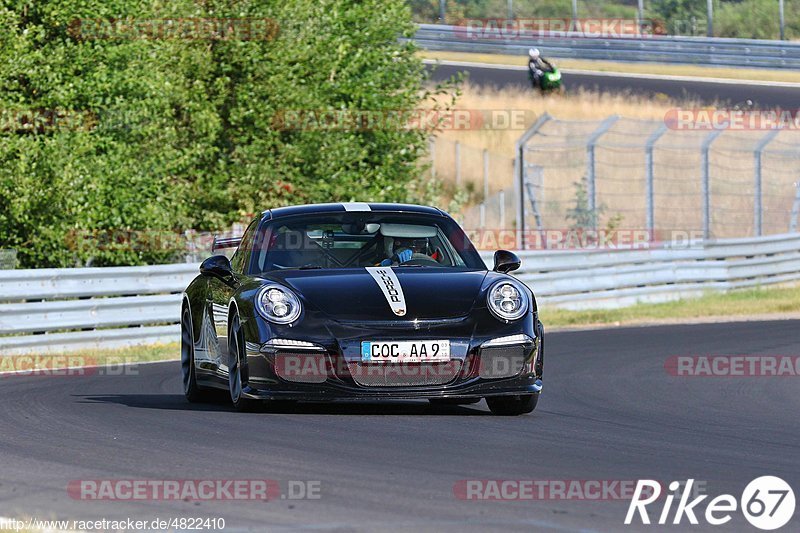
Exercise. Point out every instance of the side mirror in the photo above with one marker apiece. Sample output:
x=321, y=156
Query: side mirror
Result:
x=505, y=261
x=218, y=266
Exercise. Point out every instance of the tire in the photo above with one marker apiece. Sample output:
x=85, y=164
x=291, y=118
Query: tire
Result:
x=513, y=405
x=453, y=401
x=236, y=372
x=191, y=390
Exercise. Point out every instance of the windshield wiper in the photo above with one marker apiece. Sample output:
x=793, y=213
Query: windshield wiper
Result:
x=309, y=267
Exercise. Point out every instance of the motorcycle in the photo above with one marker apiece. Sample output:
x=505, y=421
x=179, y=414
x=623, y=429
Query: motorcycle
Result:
x=549, y=82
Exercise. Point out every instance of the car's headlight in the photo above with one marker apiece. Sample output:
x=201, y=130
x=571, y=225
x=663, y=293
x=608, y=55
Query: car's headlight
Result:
x=507, y=300
x=278, y=304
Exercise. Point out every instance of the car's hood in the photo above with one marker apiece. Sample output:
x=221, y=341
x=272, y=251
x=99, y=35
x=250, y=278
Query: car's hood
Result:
x=356, y=294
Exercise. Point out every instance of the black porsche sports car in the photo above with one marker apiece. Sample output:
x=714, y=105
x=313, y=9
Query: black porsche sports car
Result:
x=356, y=300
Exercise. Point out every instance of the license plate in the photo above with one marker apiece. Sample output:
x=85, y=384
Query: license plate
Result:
x=405, y=351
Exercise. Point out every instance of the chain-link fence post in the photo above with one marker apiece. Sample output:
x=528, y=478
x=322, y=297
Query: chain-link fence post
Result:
x=536, y=181
x=781, y=20
x=795, y=209
x=758, y=201
x=519, y=176
x=591, y=185
x=649, y=172
x=707, y=183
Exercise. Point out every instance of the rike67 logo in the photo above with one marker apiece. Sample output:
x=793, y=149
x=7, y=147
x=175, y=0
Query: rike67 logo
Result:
x=767, y=502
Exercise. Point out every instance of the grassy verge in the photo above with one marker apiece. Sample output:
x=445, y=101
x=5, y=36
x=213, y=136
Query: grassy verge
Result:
x=761, y=303
x=94, y=357
x=630, y=68
x=138, y=354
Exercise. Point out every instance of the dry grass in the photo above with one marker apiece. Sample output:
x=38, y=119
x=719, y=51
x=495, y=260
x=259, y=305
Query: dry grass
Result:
x=89, y=358
x=791, y=76
x=620, y=163
x=573, y=105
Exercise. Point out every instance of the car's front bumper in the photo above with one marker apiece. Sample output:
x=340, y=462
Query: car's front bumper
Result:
x=316, y=372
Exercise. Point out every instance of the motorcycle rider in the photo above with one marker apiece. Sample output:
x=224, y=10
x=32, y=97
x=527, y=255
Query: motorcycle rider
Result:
x=537, y=66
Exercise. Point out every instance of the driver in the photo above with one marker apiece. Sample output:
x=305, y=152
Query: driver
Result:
x=404, y=250
x=537, y=66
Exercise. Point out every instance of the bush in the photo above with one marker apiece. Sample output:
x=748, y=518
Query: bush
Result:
x=168, y=134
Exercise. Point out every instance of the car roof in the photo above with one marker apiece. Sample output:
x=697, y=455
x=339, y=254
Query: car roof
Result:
x=342, y=207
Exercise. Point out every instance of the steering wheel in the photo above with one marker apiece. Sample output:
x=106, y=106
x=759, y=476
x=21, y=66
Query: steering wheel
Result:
x=422, y=260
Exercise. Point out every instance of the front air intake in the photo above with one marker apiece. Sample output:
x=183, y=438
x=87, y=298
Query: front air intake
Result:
x=501, y=361
x=302, y=367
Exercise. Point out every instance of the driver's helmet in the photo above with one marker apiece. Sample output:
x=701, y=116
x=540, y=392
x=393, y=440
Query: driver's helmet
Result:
x=534, y=53
x=418, y=246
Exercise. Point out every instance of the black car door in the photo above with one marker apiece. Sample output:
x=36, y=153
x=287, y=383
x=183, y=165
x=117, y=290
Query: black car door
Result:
x=219, y=295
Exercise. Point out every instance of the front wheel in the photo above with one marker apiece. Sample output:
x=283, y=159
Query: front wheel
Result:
x=237, y=379
x=512, y=405
x=191, y=389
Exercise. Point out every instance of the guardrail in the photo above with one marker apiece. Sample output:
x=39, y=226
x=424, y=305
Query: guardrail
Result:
x=608, y=279
x=55, y=310
x=662, y=49
x=48, y=310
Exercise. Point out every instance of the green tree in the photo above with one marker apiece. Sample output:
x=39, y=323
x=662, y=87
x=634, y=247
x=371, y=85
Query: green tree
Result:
x=169, y=134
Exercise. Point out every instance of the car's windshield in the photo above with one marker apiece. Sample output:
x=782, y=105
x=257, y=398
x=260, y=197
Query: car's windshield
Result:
x=348, y=240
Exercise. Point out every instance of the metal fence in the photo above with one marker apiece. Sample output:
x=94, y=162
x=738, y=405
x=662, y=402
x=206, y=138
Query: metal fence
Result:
x=58, y=310
x=641, y=174
x=635, y=174
x=681, y=50
x=477, y=180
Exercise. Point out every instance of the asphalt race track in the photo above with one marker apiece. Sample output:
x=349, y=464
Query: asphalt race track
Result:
x=610, y=411
x=762, y=96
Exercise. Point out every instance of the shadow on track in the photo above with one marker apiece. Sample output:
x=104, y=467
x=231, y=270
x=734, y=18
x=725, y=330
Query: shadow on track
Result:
x=177, y=402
